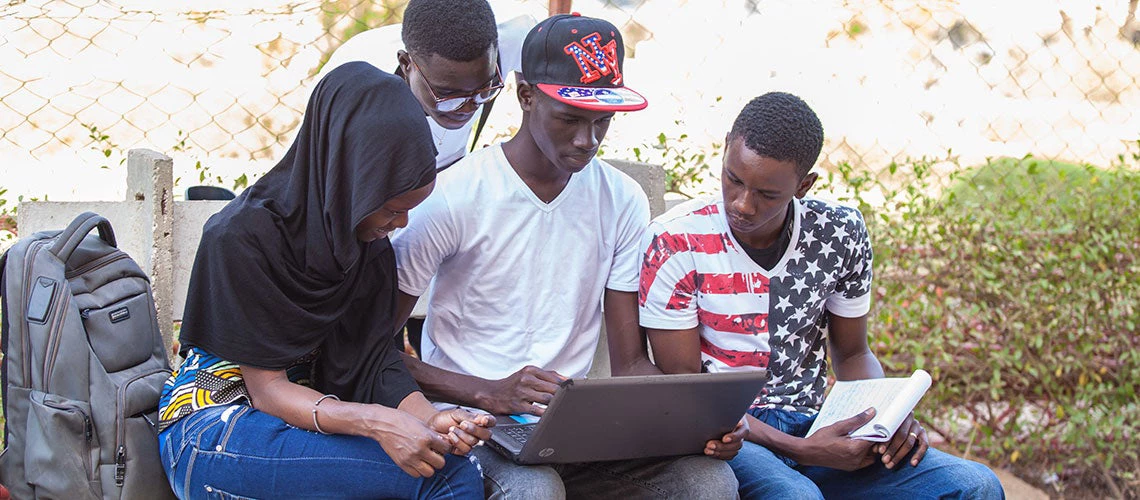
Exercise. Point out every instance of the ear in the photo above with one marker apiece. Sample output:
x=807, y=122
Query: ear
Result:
x=526, y=95
x=806, y=184
x=405, y=61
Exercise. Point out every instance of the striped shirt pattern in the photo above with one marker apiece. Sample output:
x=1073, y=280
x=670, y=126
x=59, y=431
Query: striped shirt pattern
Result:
x=695, y=274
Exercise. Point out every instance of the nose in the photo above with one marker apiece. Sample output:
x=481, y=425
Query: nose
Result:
x=400, y=221
x=743, y=205
x=586, y=137
x=468, y=106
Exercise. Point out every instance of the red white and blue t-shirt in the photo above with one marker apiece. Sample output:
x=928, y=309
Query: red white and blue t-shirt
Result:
x=695, y=272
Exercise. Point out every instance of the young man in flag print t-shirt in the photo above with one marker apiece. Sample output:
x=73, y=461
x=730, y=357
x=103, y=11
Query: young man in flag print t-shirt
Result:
x=765, y=278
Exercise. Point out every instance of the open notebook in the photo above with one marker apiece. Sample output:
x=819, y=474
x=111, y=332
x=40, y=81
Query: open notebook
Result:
x=892, y=398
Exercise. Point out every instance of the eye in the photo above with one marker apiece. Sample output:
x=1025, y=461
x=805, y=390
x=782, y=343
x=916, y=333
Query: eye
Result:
x=569, y=121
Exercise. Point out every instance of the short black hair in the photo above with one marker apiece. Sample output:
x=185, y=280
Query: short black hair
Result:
x=781, y=126
x=459, y=30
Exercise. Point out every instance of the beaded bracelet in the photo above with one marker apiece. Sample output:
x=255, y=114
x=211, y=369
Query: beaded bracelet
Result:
x=315, y=424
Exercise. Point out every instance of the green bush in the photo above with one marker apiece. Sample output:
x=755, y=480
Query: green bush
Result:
x=1016, y=286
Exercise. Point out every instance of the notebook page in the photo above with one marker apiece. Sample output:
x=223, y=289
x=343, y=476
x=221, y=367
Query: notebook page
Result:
x=849, y=398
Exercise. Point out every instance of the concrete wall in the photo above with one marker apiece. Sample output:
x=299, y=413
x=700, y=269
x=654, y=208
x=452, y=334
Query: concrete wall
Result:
x=162, y=235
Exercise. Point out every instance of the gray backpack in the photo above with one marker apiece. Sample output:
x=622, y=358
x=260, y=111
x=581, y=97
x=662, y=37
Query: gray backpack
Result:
x=83, y=368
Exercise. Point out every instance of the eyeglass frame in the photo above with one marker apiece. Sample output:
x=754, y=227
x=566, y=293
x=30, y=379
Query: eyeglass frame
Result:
x=464, y=99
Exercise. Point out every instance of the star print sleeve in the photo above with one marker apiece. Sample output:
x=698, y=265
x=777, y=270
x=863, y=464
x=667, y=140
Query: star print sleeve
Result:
x=667, y=293
x=852, y=296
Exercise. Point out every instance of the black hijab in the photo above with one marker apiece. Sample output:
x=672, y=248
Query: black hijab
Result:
x=279, y=271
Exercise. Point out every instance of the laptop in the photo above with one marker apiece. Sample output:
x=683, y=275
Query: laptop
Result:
x=621, y=418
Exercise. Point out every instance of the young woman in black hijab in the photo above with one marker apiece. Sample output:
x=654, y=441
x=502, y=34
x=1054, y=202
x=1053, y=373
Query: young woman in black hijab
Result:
x=295, y=282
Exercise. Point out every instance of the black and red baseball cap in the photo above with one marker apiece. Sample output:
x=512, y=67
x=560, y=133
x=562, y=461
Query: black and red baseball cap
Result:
x=578, y=61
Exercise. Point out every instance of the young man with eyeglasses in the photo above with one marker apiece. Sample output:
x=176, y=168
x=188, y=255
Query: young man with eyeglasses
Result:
x=526, y=240
x=453, y=56
x=455, y=59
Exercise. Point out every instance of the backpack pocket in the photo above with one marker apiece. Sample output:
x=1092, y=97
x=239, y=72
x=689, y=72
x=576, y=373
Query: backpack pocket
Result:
x=120, y=333
x=137, y=469
x=61, y=447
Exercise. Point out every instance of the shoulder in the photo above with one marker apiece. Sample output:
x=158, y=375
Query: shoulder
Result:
x=471, y=176
x=824, y=213
x=698, y=215
x=377, y=46
x=617, y=180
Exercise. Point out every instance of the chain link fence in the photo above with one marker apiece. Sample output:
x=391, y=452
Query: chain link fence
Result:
x=892, y=80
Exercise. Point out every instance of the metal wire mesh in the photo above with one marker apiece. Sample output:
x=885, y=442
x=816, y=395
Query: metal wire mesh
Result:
x=892, y=80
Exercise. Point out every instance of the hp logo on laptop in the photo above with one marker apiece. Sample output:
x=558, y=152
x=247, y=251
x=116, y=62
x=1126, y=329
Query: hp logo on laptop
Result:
x=546, y=452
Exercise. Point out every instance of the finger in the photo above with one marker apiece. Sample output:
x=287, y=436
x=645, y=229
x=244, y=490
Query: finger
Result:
x=468, y=437
x=424, y=469
x=486, y=421
x=901, y=443
x=920, y=449
x=537, y=396
x=437, y=444
x=410, y=469
x=477, y=432
x=537, y=385
x=846, y=426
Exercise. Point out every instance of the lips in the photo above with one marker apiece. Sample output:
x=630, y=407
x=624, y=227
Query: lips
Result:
x=457, y=118
x=738, y=223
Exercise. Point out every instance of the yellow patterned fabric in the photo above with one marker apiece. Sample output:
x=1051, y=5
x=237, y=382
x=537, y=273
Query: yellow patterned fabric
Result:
x=203, y=380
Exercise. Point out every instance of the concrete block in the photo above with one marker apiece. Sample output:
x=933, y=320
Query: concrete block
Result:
x=127, y=219
x=191, y=216
x=150, y=179
x=650, y=177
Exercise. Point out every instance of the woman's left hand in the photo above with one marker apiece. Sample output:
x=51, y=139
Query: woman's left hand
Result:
x=463, y=428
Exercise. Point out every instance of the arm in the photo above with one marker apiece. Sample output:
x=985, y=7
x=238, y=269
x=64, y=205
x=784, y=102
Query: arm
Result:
x=627, y=345
x=851, y=357
x=514, y=394
x=405, y=303
x=417, y=449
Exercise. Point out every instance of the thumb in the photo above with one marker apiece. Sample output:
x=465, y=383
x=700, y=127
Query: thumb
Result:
x=845, y=426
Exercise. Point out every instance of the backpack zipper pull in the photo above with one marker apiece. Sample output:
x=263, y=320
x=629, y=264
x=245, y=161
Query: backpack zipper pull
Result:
x=120, y=465
x=86, y=426
x=85, y=313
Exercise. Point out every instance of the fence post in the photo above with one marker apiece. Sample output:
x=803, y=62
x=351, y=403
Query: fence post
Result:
x=150, y=178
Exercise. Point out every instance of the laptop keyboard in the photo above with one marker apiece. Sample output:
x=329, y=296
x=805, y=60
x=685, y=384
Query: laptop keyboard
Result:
x=520, y=433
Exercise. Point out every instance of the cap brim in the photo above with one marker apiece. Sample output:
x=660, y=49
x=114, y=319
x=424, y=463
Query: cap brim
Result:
x=595, y=98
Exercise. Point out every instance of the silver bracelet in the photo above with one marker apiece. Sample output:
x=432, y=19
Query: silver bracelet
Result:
x=315, y=424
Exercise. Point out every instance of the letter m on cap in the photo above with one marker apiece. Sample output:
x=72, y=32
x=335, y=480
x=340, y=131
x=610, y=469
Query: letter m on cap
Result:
x=594, y=59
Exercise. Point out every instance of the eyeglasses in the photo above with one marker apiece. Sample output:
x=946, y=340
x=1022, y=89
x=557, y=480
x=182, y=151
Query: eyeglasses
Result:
x=452, y=103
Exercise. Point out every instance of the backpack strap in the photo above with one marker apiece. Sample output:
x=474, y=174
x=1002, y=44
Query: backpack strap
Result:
x=482, y=121
x=4, y=319
x=70, y=238
x=486, y=111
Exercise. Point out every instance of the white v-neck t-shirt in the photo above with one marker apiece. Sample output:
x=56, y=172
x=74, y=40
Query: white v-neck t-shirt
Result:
x=517, y=281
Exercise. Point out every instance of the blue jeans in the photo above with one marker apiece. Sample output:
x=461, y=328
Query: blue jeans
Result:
x=764, y=474
x=236, y=451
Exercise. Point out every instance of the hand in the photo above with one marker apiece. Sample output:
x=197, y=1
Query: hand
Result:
x=910, y=435
x=729, y=445
x=464, y=429
x=832, y=447
x=414, y=447
x=518, y=392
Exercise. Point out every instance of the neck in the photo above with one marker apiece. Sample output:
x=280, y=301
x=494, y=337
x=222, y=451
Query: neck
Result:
x=539, y=174
x=766, y=235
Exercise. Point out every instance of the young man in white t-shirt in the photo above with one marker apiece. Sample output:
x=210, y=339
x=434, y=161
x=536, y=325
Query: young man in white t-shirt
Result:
x=766, y=278
x=526, y=241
